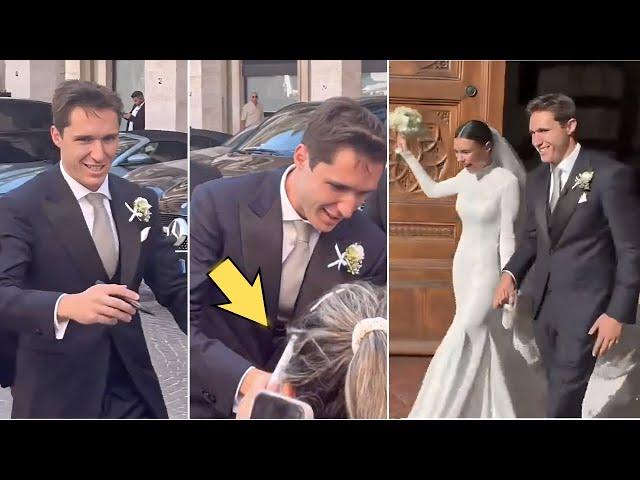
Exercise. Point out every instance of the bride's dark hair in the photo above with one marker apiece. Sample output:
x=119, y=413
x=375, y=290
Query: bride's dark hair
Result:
x=475, y=130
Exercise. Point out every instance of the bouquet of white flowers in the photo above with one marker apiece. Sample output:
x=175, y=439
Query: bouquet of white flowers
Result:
x=406, y=121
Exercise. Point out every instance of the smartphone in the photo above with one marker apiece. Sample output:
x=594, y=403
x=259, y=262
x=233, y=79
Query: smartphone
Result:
x=271, y=405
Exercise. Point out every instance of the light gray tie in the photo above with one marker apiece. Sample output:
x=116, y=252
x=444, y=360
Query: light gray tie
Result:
x=555, y=189
x=102, y=234
x=293, y=270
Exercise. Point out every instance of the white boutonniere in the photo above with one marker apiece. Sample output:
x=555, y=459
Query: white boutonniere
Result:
x=583, y=181
x=351, y=258
x=141, y=209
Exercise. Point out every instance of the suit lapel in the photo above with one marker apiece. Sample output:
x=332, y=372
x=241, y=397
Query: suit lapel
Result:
x=542, y=206
x=63, y=211
x=261, y=237
x=128, y=232
x=568, y=200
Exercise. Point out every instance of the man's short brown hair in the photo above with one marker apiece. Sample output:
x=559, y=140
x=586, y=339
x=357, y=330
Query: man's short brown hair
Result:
x=341, y=122
x=87, y=95
x=562, y=106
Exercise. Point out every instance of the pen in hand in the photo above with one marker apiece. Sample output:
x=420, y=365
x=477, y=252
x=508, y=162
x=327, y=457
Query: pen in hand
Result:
x=133, y=303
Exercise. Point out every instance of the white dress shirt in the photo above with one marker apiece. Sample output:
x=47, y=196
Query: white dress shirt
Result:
x=80, y=192
x=565, y=166
x=134, y=113
x=289, y=215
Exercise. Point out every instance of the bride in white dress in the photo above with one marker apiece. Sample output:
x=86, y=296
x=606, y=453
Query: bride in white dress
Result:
x=467, y=376
x=487, y=365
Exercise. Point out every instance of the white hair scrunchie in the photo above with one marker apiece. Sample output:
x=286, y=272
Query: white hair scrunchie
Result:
x=365, y=326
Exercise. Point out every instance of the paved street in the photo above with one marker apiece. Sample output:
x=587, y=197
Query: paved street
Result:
x=168, y=349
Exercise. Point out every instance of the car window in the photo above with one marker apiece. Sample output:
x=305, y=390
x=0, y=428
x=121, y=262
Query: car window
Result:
x=166, y=151
x=379, y=111
x=281, y=135
x=21, y=115
x=198, y=141
x=124, y=144
x=23, y=147
x=239, y=138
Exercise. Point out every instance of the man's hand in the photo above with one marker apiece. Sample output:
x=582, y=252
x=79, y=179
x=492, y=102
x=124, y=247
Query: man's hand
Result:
x=126, y=116
x=255, y=382
x=98, y=305
x=609, y=331
x=505, y=291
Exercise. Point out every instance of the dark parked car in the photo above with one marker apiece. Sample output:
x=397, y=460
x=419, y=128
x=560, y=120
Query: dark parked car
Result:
x=272, y=143
x=169, y=181
x=199, y=138
x=26, y=148
x=148, y=147
x=232, y=144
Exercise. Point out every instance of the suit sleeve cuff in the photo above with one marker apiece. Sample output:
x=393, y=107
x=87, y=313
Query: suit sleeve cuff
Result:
x=515, y=282
x=59, y=325
x=238, y=396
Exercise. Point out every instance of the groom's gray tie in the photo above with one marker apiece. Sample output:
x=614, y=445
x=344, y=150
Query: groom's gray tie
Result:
x=293, y=270
x=102, y=234
x=555, y=188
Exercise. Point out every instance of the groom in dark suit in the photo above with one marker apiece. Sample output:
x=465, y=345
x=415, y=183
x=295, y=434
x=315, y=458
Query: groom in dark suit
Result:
x=583, y=235
x=75, y=243
x=288, y=223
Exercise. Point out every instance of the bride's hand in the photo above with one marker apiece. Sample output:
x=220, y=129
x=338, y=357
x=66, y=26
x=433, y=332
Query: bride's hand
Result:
x=401, y=143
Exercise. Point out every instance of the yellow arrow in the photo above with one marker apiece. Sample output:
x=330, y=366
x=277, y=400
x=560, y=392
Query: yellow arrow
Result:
x=245, y=299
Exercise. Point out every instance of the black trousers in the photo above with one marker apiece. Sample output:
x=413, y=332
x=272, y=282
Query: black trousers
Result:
x=566, y=349
x=121, y=398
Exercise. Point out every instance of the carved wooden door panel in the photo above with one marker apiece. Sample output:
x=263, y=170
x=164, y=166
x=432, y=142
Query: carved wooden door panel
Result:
x=424, y=232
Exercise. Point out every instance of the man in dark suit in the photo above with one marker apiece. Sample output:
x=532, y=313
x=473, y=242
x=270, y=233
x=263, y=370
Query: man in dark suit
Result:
x=583, y=235
x=289, y=224
x=75, y=245
x=135, y=117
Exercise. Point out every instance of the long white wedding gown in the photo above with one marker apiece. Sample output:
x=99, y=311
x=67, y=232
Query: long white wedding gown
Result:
x=488, y=365
x=467, y=376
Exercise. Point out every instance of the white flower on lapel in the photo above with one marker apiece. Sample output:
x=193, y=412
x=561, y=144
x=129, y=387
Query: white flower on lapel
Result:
x=141, y=209
x=583, y=180
x=351, y=258
x=144, y=233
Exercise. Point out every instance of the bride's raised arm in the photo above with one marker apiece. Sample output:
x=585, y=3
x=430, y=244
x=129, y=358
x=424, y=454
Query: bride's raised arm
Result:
x=429, y=186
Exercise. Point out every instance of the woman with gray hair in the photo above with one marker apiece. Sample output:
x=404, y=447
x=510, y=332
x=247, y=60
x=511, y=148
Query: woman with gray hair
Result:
x=339, y=360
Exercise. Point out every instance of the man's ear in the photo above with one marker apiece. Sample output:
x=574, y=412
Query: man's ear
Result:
x=301, y=156
x=56, y=136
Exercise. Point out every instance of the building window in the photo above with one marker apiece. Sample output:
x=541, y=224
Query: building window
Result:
x=275, y=81
x=374, y=77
